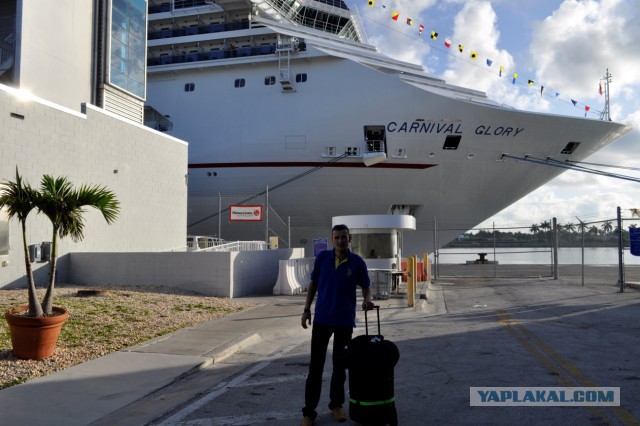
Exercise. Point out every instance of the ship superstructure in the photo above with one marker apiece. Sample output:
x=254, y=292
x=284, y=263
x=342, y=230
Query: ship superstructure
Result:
x=285, y=103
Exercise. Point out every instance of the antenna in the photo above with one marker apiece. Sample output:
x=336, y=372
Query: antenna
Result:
x=606, y=113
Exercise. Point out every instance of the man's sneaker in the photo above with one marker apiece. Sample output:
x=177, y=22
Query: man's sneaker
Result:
x=307, y=421
x=338, y=414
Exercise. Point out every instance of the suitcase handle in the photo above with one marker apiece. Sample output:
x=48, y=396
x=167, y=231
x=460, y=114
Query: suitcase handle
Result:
x=366, y=322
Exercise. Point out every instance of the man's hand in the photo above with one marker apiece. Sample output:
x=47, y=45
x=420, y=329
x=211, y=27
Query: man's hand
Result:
x=306, y=319
x=367, y=305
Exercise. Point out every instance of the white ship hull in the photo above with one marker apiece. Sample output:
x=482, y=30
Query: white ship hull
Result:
x=443, y=145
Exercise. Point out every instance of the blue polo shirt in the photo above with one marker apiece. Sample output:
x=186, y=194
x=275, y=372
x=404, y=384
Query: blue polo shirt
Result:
x=336, y=302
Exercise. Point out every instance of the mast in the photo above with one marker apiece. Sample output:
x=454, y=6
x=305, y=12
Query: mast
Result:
x=606, y=113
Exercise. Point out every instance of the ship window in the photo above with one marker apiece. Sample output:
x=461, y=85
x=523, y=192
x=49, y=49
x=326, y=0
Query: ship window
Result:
x=571, y=146
x=269, y=80
x=189, y=87
x=452, y=142
x=239, y=82
x=301, y=78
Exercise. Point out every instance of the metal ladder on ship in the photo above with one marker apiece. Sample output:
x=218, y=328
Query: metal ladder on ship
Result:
x=284, y=50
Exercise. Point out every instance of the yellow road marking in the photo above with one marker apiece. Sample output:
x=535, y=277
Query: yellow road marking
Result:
x=548, y=357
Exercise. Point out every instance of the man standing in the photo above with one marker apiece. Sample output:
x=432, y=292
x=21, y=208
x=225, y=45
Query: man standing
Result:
x=335, y=275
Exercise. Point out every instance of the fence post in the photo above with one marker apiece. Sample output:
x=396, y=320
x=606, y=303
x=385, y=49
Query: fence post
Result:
x=620, y=253
x=435, y=248
x=555, y=248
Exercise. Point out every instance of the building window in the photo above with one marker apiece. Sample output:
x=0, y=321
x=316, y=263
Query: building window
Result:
x=270, y=80
x=128, y=45
x=301, y=78
x=189, y=87
x=239, y=82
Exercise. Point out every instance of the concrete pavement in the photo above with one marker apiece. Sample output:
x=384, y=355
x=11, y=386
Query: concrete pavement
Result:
x=85, y=393
x=108, y=389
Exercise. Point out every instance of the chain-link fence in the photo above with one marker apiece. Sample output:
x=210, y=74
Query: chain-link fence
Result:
x=597, y=250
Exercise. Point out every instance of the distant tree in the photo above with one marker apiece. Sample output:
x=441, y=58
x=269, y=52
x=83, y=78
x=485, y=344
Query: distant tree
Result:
x=593, y=230
x=607, y=227
x=546, y=225
x=570, y=227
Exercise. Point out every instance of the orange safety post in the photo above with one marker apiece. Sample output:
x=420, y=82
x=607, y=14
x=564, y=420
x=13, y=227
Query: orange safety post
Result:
x=410, y=282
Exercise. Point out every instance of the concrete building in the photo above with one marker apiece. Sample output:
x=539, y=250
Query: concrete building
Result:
x=72, y=90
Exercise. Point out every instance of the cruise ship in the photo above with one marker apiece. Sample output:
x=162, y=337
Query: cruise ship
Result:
x=286, y=105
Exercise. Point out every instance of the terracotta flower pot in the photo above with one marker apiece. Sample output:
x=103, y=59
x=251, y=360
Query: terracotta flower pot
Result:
x=34, y=338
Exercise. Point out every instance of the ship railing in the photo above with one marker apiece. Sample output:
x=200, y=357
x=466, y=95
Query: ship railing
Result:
x=238, y=52
x=171, y=5
x=237, y=246
x=291, y=10
x=216, y=27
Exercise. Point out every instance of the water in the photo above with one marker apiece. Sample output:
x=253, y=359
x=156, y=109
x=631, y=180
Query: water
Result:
x=541, y=256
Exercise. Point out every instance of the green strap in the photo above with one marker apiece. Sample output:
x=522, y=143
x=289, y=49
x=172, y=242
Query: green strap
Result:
x=369, y=403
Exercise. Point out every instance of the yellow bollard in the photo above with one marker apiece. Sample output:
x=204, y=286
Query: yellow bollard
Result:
x=410, y=283
x=427, y=267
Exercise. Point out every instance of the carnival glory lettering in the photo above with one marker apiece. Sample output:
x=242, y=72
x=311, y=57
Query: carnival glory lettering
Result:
x=451, y=128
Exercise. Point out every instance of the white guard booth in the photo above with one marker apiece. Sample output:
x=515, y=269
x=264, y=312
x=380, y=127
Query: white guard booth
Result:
x=378, y=239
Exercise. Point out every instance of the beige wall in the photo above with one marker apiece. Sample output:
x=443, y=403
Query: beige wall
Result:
x=54, y=58
x=146, y=169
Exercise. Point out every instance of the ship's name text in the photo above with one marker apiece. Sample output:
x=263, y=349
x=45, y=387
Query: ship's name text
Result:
x=451, y=128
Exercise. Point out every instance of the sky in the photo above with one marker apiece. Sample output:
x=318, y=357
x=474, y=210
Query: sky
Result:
x=565, y=46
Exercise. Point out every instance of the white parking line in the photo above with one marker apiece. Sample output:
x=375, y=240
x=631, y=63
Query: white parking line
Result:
x=220, y=389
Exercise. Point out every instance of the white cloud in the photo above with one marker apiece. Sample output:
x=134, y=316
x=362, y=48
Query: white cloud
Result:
x=475, y=27
x=388, y=35
x=572, y=48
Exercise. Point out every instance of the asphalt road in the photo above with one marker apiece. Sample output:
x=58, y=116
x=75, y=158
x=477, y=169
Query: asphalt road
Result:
x=475, y=332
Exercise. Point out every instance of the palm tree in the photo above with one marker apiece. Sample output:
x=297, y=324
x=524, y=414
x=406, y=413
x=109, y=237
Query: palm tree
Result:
x=570, y=227
x=18, y=198
x=607, y=227
x=64, y=206
x=534, y=229
x=582, y=226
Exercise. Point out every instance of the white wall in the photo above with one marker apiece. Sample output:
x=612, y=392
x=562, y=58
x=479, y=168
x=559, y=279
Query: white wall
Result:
x=150, y=182
x=220, y=274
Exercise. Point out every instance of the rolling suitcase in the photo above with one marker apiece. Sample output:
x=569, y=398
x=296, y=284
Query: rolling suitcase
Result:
x=371, y=360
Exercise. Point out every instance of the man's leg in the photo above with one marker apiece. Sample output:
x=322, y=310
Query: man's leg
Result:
x=320, y=336
x=341, y=337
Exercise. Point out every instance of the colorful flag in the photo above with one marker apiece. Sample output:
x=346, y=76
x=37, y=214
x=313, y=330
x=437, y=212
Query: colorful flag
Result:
x=434, y=35
x=489, y=62
x=530, y=82
x=447, y=42
x=574, y=102
x=515, y=75
x=501, y=69
x=460, y=48
x=587, y=108
x=600, y=89
x=420, y=29
x=371, y=3
x=395, y=15
x=557, y=94
x=541, y=90
x=409, y=21
x=474, y=55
